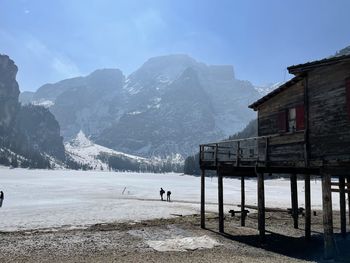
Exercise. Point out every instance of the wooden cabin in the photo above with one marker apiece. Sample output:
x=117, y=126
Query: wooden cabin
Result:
x=310, y=114
x=303, y=128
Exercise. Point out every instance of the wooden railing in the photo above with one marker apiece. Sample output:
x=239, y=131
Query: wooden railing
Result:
x=231, y=151
x=250, y=151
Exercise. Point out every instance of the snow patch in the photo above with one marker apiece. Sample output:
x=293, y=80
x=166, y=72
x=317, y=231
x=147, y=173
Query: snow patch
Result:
x=173, y=238
x=132, y=90
x=44, y=103
x=183, y=244
x=263, y=90
x=135, y=113
x=163, y=79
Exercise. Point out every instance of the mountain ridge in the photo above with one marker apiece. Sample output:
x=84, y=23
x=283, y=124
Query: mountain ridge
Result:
x=134, y=113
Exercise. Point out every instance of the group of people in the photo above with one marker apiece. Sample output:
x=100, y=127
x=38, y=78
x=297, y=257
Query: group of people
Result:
x=1, y=198
x=162, y=192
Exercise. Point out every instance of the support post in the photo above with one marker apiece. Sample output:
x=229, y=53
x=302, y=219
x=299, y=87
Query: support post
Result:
x=243, y=214
x=348, y=188
x=342, y=205
x=327, y=217
x=294, y=198
x=203, y=199
x=261, y=207
x=221, y=203
x=307, y=207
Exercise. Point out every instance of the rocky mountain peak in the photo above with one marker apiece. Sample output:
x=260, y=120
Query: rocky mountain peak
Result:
x=158, y=110
x=9, y=91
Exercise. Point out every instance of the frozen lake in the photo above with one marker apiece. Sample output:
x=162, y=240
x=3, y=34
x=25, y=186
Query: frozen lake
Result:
x=55, y=198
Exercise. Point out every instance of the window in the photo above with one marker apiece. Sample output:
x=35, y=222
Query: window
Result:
x=292, y=120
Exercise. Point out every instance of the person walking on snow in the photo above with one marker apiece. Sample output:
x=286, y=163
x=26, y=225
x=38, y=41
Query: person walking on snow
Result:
x=161, y=193
x=168, y=196
x=1, y=198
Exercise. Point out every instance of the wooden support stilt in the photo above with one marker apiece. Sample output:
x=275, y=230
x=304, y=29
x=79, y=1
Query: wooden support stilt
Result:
x=327, y=217
x=307, y=207
x=342, y=205
x=221, y=203
x=348, y=181
x=243, y=214
x=203, y=199
x=294, y=198
x=261, y=208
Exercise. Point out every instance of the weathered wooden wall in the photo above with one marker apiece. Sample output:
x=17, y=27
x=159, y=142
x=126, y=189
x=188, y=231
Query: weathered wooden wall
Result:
x=288, y=146
x=268, y=111
x=329, y=131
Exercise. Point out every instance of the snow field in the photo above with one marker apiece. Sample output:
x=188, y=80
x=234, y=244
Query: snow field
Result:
x=36, y=199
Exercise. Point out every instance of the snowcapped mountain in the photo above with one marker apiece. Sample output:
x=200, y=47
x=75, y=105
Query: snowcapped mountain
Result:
x=263, y=90
x=166, y=107
x=82, y=150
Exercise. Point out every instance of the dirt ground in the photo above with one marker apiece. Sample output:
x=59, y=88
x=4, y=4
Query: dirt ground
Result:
x=117, y=243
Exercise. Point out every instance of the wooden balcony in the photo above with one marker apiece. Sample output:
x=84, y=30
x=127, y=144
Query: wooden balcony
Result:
x=277, y=153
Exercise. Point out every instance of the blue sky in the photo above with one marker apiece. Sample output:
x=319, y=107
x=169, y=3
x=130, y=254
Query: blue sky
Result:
x=55, y=39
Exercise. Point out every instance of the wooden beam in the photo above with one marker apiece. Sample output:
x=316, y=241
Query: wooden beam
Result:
x=329, y=246
x=221, y=203
x=342, y=205
x=203, y=199
x=294, y=198
x=337, y=184
x=348, y=181
x=243, y=214
x=307, y=207
x=261, y=208
x=273, y=209
x=337, y=190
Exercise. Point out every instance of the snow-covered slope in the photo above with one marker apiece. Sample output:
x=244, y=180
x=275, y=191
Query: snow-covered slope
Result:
x=82, y=150
x=263, y=90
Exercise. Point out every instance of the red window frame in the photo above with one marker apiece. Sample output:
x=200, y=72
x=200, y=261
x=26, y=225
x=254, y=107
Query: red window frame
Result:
x=283, y=118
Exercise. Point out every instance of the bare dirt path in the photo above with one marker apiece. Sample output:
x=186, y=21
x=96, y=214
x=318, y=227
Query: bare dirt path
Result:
x=129, y=242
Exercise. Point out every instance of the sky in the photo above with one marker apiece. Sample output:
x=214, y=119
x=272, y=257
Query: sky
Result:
x=57, y=39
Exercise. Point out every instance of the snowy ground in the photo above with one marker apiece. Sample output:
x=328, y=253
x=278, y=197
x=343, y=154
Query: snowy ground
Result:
x=55, y=198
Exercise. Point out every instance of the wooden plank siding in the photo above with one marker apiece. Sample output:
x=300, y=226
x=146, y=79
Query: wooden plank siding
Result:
x=268, y=111
x=288, y=146
x=329, y=131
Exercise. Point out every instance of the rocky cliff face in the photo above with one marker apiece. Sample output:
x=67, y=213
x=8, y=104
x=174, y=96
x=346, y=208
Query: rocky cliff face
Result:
x=169, y=105
x=41, y=130
x=29, y=131
x=9, y=93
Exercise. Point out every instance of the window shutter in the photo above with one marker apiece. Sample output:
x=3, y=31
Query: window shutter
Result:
x=282, y=121
x=347, y=87
x=300, y=117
